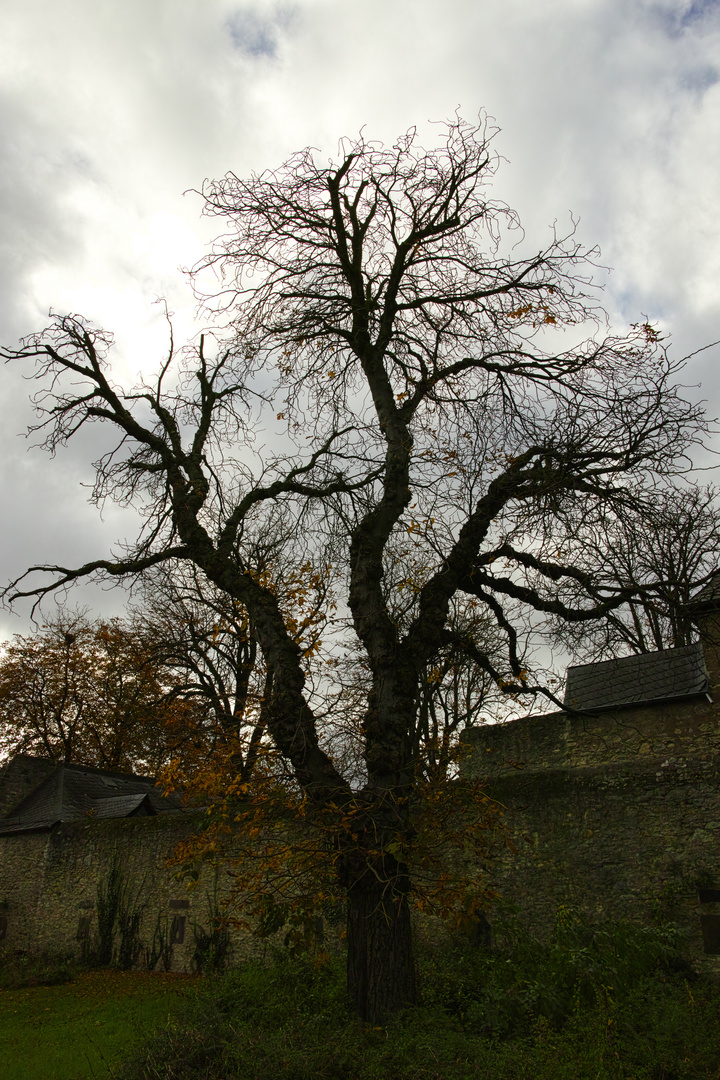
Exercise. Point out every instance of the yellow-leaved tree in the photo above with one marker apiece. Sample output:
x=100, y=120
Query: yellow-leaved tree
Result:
x=92, y=692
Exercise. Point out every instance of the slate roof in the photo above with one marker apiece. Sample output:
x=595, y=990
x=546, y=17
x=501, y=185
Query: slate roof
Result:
x=638, y=680
x=124, y=806
x=19, y=776
x=79, y=793
x=709, y=596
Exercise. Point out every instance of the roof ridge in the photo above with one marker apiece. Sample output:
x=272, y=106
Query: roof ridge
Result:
x=77, y=767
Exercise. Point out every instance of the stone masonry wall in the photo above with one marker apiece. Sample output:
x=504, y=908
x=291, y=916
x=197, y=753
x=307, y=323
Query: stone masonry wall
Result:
x=672, y=731
x=48, y=884
x=616, y=814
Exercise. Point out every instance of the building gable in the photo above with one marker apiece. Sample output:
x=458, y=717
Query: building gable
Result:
x=77, y=792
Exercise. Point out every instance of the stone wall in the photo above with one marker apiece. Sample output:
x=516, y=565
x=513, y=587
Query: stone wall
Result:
x=672, y=731
x=49, y=880
x=616, y=814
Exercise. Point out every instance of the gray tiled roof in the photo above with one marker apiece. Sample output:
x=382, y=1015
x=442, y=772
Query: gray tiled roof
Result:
x=19, y=776
x=122, y=806
x=77, y=793
x=638, y=680
x=709, y=595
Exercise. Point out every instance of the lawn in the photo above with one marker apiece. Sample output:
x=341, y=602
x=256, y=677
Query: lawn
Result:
x=75, y=1031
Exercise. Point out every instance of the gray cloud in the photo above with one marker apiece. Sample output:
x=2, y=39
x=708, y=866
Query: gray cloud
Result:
x=256, y=34
x=682, y=18
x=108, y=113
x=700, y=79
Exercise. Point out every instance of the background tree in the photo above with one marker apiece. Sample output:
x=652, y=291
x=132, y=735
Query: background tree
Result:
x=406, y=367
x=667, y=550
x=453, y=692
x=90, y=692
x=205, y=644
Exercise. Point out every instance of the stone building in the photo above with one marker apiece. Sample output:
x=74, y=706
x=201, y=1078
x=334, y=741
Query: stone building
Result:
x=614, y=803
x=64, y=829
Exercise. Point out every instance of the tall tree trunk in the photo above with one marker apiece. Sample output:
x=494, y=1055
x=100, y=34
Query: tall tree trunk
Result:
x=380, y=961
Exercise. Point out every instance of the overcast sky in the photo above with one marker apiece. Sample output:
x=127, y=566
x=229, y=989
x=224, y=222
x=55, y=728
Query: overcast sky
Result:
x=110, y=111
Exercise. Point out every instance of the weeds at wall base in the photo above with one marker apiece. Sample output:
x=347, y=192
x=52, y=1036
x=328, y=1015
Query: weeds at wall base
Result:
x=601, y=1003
x=18, y=971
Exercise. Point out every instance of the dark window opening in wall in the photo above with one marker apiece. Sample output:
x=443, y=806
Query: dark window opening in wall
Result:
x=481, y=932
x=178, y=905
x=83, y=930
x=177, y=930
x=709, y=896
x=3, y=927
x=711, y=934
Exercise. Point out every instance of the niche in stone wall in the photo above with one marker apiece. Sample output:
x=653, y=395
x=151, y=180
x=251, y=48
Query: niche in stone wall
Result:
x=177, y=930
x=711, y=934
x=710, y=923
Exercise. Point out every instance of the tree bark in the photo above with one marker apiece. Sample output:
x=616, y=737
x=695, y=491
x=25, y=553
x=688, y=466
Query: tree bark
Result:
x=380, y=961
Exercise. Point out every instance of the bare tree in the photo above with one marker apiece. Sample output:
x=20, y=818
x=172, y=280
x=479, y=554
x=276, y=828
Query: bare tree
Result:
x=379, y=330
x=664, y=552
x=204, y=640
x=453, y=692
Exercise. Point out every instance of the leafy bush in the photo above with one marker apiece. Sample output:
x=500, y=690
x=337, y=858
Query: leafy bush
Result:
x=212, y=948
x=500, y=991
x=595, y=1003
x=255, y=1021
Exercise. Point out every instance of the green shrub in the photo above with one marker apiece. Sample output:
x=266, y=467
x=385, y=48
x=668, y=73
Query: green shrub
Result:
x=596, y=1003
x=499, y=991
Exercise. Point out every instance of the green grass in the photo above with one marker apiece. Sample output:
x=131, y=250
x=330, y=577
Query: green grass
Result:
x=77, y=1030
